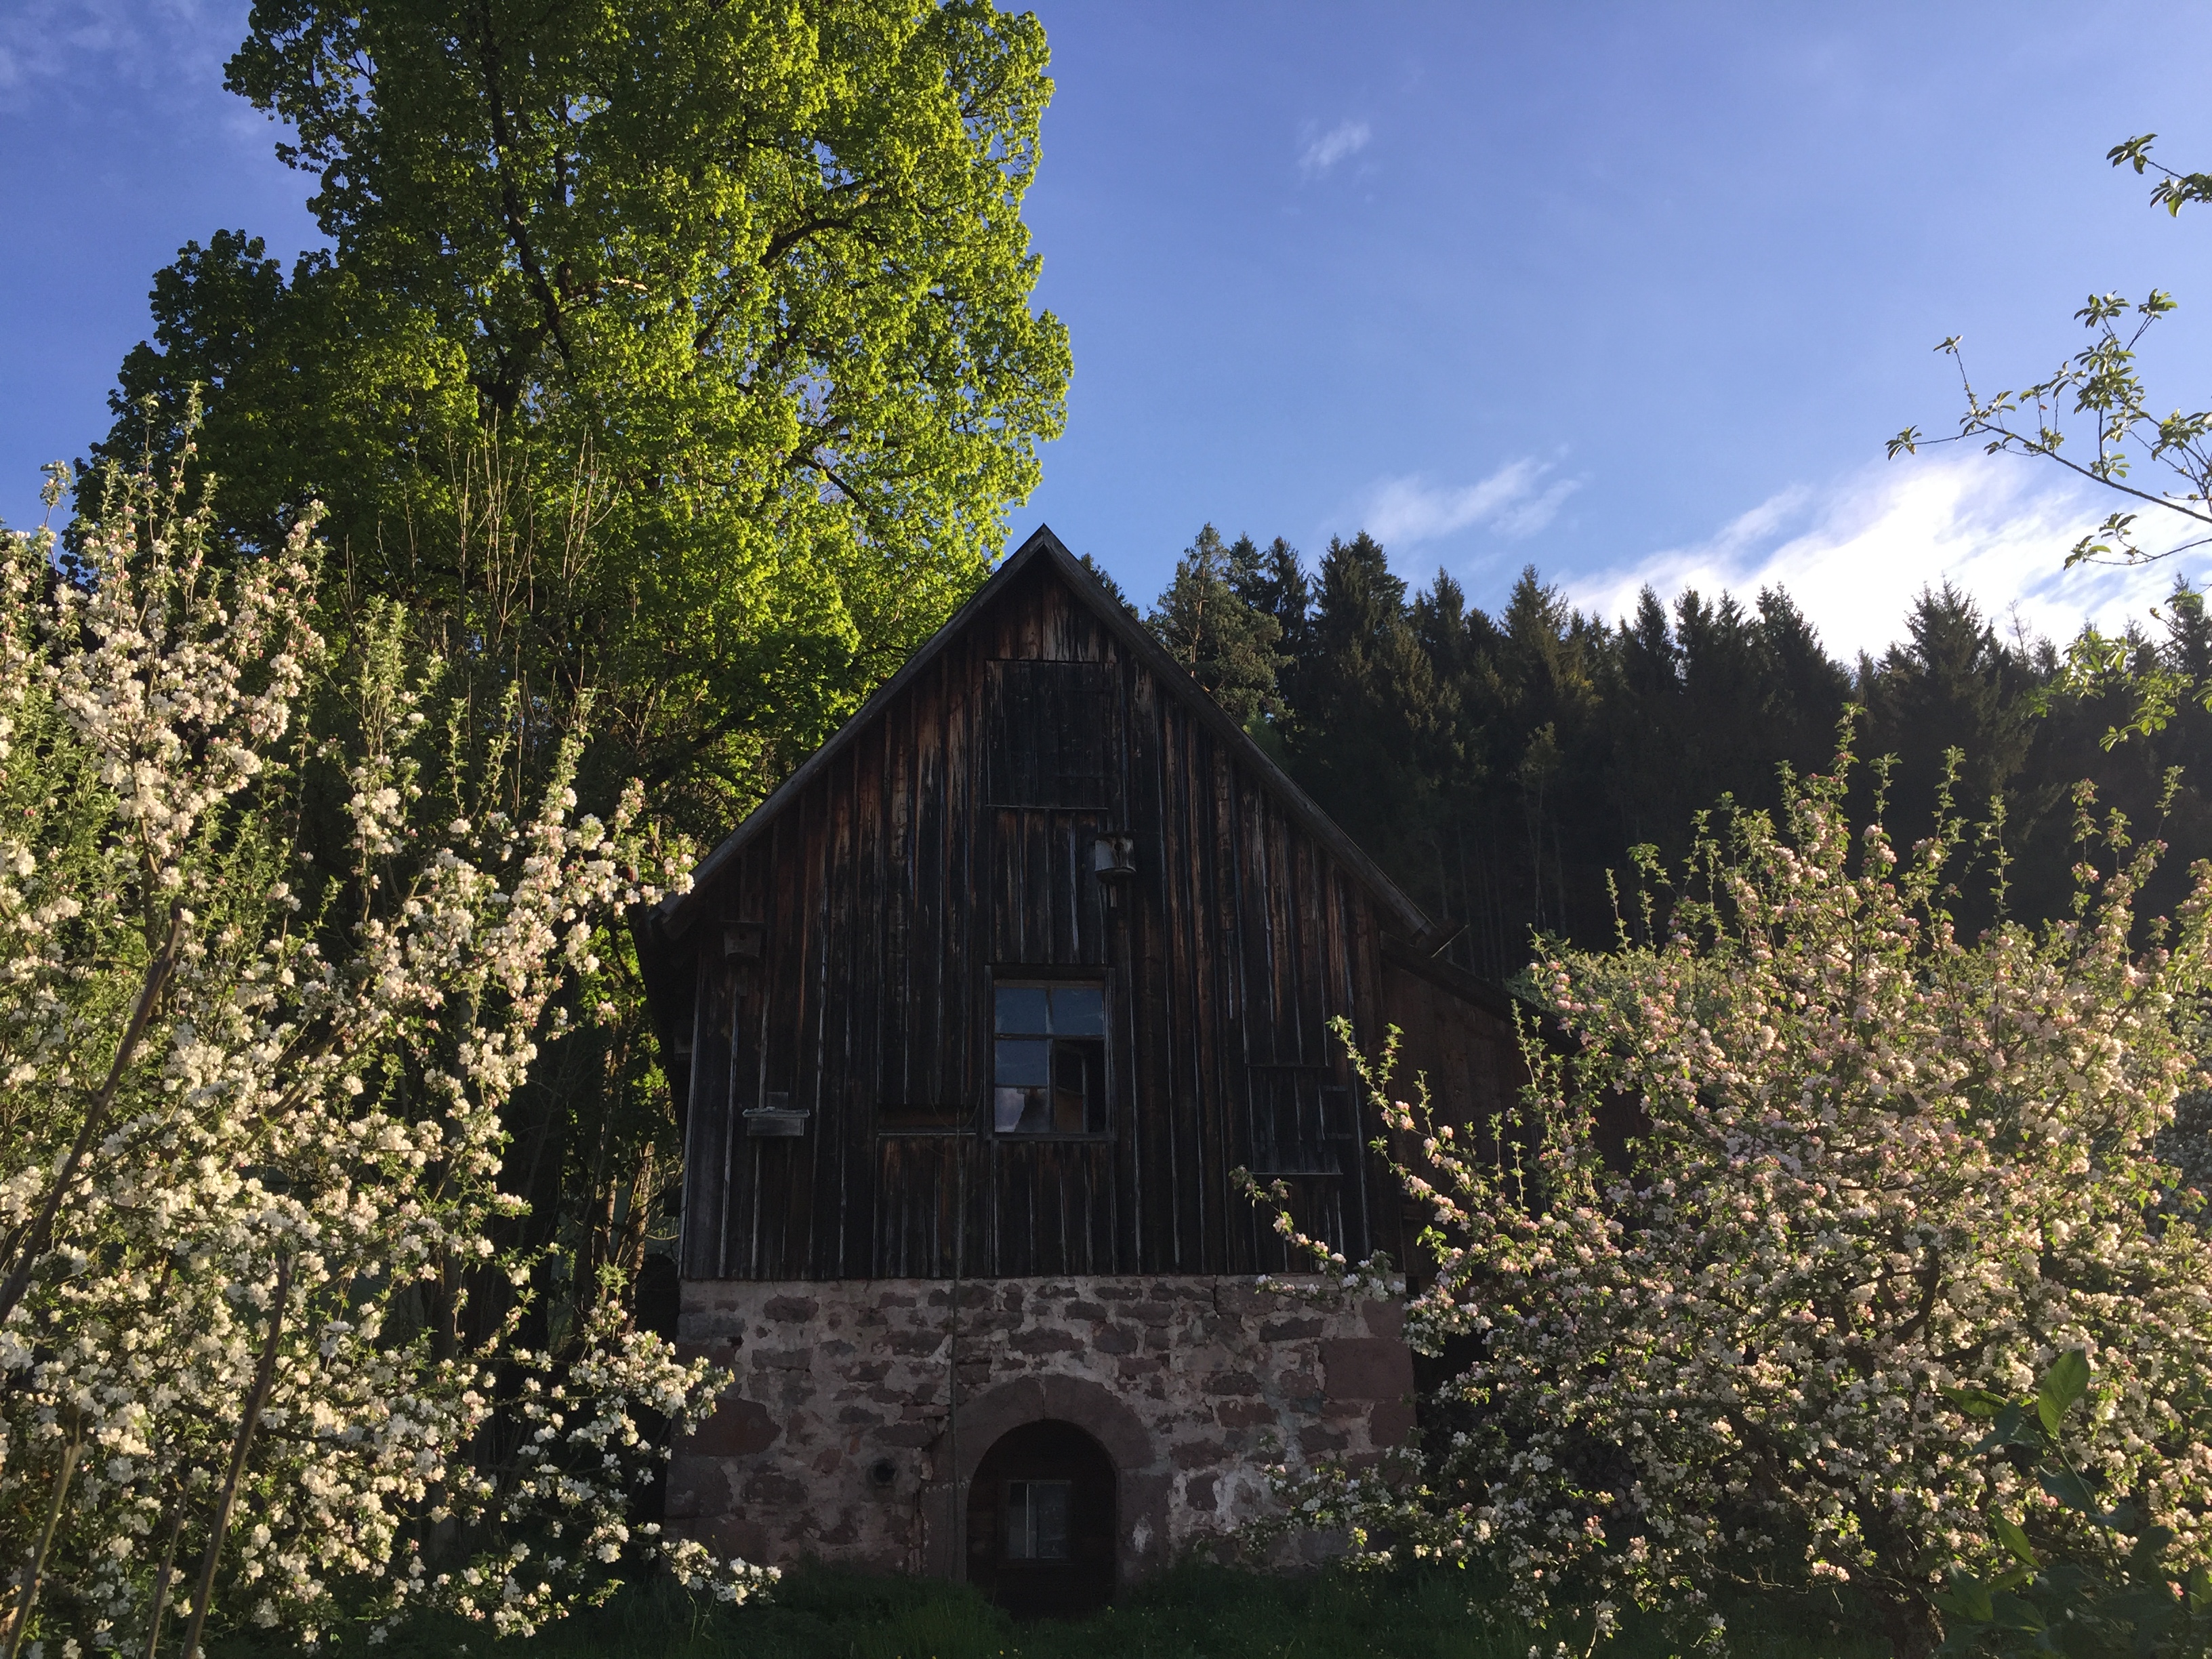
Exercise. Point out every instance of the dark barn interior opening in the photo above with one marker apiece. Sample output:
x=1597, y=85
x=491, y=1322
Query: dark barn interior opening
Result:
x=1040, y=1521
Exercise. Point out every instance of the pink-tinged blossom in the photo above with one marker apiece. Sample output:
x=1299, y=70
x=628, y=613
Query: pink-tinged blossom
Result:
x=1870, y=1163
x=282, y=1188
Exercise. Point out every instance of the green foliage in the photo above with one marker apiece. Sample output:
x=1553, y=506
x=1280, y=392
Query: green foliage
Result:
x=2086, y=1574
x=1501, y=765
x=2101, y=388
x=756, y=276
x=1208, y=625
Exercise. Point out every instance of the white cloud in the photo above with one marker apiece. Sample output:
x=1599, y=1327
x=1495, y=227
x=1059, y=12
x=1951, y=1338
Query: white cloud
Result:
x=1514, y=501
x=1854, y=557
x=1346, y=138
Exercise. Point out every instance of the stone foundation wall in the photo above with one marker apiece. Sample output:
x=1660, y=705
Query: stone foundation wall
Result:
x=837, y=1440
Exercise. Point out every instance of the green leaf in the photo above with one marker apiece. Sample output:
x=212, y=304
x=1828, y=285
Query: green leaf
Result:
x=2071, y=1490
x=2200, y=1590
x=1969, y=1599
x=2014, y=1539
x=1981, y=1403
x=2014, y=1612
x=2066, y=1382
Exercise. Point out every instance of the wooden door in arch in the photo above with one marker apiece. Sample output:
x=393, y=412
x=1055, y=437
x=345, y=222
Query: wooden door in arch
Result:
x=1040, y=1521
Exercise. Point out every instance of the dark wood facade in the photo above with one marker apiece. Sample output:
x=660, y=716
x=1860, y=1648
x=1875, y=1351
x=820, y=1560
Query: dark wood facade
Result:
x=826, y=992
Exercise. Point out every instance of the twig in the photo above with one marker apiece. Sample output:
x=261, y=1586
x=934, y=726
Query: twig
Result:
x=33, y=1243
x=264, y=1378
x=19, y=1625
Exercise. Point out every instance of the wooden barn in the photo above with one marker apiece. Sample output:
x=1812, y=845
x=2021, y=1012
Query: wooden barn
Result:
x=971, y=1024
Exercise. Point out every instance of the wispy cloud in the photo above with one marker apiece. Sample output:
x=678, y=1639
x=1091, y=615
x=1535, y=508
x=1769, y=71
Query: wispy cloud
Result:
x=1515, y=500
x=68, y=50
x=1341, y=143
x=1854, y=556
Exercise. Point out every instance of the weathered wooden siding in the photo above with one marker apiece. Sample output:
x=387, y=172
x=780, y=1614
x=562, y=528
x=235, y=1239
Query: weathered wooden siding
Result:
x=845, y=960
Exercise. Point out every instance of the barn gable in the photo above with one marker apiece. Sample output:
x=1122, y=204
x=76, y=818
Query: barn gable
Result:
x=973, y=1025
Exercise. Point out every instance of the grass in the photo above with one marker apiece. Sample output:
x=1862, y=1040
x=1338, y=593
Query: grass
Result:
x=1195, y=1612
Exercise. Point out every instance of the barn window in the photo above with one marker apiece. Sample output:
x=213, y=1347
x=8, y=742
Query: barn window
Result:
x=1050, y=735
x=1036, y=1519
x=1048, y=1058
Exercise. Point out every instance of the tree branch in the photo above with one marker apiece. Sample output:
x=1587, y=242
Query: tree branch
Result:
x=31, y=1243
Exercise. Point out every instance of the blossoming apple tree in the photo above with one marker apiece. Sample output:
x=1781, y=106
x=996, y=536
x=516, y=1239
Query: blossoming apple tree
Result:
x=250, y=1121
x=1793, y=1180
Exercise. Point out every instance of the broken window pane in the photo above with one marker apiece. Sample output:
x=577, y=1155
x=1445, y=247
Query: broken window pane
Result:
x=1048, y=1067
x=1078, y=1010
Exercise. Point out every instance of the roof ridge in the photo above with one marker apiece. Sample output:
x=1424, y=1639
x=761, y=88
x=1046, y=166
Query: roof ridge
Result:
x=674, y=912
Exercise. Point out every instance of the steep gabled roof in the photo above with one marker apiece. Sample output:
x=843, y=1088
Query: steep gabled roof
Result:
x=675, y=914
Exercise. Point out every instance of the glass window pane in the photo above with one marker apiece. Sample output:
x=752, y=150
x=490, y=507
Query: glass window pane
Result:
x=1077, y=1088
x=1078, y=1010
x=1048, y=1517
x=1023, y=1062
x=1008, y=1106
x=1021, y=1008
x=1021, y=1544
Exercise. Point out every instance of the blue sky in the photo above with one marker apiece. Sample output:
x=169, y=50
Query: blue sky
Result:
x=1630, y=292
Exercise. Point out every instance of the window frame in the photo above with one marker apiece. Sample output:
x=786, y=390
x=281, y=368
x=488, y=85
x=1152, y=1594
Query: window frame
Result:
x=1024, y=976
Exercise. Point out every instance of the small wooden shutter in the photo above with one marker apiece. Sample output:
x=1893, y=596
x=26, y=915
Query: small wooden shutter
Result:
x=1051, y=735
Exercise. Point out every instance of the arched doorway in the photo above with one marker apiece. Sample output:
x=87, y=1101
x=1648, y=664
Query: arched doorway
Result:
x=1041, y=1521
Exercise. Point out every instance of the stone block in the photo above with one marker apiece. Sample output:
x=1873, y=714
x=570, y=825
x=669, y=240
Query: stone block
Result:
x=1385, y=1319
x=1195, y=1454
x=1243, y=1414
x=733, y=1536
x=1233, y=1383
x=1045, y=1339
x=789, y=1309
x=1316, y=1441
x=1114, y=1339
x=1286, y=1330
x=1391, y=1421
x=1366, y=1368
x=697, y=1488
x=907, y=1434
x=1247, y=1301
x=771, y=1487
x=738, y=1429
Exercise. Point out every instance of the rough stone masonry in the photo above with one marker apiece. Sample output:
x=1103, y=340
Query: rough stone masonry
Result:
x=840, y=1440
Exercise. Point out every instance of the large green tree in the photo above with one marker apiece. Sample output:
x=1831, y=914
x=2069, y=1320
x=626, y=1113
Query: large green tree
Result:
x=696, y=334
x=674, y=358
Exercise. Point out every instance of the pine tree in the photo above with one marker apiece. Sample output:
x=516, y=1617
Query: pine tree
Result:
x=1227, y=643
